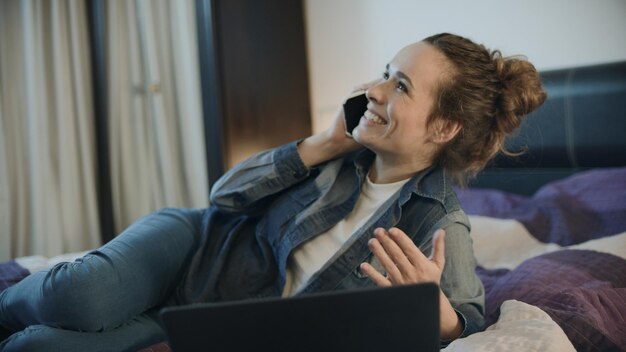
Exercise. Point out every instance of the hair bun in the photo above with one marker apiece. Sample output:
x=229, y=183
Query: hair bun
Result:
x=488, y=95
x=522, y=92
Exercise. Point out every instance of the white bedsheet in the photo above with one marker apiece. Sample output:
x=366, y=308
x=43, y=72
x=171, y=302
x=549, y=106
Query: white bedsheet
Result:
x=506, y=243
x=37, y=262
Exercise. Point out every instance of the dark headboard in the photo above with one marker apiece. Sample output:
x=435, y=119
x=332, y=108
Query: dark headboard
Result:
x=582, y=125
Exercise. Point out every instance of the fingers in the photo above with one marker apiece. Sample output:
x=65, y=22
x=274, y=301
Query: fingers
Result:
x=398, y=255
x=413, y=254
x=383, y=254
x=439, y=245
x=403, y=253
x=379, y=279
x=402, y=259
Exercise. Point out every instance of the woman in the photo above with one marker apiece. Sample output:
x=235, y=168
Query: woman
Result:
x=324, y=213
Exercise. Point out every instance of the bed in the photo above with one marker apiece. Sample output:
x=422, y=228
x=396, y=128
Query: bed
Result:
x=549, y=227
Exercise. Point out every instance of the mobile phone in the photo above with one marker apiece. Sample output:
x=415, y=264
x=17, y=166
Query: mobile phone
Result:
x=353, y=109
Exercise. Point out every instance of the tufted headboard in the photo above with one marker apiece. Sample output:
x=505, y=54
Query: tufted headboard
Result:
x=582, y=125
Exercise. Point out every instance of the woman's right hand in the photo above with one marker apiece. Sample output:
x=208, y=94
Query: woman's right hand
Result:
x=332, y=142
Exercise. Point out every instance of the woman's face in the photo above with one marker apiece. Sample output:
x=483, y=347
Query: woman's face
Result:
x=399, y=105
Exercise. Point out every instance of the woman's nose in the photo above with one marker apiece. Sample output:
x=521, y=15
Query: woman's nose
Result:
x=375, y=93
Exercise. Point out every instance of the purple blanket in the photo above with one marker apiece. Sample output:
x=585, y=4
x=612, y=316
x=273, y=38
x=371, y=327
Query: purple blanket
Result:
x=10, y=274
x=583, y=291
x=579, y=208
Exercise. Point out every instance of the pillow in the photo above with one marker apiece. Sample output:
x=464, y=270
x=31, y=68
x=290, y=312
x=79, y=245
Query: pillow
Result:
x=521, y=327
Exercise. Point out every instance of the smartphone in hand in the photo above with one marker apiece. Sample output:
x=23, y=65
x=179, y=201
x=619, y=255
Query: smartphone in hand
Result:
x=353, y=109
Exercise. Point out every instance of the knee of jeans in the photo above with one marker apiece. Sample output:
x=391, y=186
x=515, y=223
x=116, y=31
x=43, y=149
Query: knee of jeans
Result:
x=75, y=307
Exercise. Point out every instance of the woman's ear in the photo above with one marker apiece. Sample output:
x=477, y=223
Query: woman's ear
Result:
x=445, y=130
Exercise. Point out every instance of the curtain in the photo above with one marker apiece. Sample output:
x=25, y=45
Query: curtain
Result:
x=155, y=119
x=48, y=198
x=47, y=169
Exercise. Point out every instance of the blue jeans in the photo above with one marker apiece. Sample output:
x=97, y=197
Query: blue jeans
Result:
x=109, y=299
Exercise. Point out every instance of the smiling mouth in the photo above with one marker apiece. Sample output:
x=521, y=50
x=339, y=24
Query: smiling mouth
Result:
x=370, y=116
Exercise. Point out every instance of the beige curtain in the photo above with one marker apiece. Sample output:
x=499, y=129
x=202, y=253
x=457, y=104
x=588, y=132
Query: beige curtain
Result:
x=47, y=169
x=48, y=200
x=156, y=134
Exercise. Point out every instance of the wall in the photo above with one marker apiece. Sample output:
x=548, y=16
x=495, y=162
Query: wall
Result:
x=350, y=41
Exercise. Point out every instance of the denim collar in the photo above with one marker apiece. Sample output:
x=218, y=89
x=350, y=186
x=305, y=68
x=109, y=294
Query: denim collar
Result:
x=431, y=182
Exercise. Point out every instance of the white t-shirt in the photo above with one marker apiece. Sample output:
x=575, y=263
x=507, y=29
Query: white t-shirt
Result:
x=309, y=257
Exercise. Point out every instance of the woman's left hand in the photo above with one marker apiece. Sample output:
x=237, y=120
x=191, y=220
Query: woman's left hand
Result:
x=402, y=260
x=406, y=264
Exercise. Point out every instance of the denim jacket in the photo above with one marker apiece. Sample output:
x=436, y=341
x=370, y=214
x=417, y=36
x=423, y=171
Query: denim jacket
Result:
x=268, y=205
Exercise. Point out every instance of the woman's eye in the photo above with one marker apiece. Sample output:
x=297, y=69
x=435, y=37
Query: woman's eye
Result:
x=400, y=86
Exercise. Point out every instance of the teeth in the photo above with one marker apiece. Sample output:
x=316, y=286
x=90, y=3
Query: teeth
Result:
x=370, y=116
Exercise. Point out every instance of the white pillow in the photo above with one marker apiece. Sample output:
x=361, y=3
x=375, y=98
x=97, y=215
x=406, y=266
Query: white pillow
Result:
x=521, y=327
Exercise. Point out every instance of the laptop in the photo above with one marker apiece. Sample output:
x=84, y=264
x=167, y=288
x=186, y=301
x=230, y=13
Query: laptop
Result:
x=398, y=318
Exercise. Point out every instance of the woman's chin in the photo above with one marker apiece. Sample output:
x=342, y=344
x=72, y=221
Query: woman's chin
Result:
x=357, y=135
x=362, y=137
